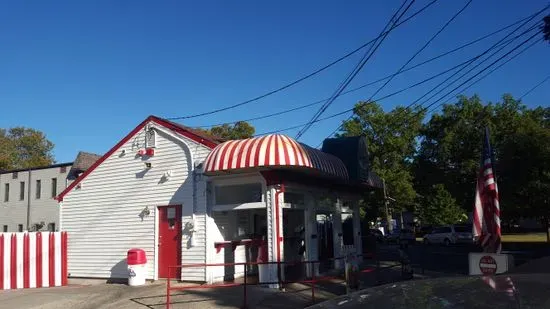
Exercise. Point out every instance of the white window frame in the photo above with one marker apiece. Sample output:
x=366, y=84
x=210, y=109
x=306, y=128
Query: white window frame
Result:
x=148, y=143
x=232, y=180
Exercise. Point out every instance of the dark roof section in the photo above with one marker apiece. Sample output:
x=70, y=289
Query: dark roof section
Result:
x=83, y=161
x=36, y=168
x=197, y=132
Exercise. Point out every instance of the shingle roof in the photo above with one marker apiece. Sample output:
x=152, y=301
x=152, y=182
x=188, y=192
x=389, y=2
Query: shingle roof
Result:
x=82, y=162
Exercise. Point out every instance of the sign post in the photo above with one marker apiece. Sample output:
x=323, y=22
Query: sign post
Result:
x=488, y=264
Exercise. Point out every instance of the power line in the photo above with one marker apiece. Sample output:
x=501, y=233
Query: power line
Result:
x=375, y=81
x=378, y=99
x=483, y=70
x=535, y=87
x=412, y=57
x=466, y=73
x=490, y=72
x=422, y=48
x=500, y=42
x=427, y=107
x=257, y=98
x=354, y=73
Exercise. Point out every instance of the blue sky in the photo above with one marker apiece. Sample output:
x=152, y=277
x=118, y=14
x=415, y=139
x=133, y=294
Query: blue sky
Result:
x=87, y=72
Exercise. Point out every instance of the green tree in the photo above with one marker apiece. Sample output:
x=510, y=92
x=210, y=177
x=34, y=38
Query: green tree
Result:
x=240, y=130
x=451, y=147
x=22, y=147
x=438, y=207
x=392, y=145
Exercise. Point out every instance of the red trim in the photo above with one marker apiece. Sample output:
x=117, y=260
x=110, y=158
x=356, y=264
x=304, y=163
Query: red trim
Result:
x=231, y=154
x=277, y=159
x=1, y=262
x=267, y=157
x=285, y=150
x=26, y=261
x=277, y=228
x=223, y=154
x=162, y=122
x=258, y=148
x=51, y=259
x=13, y=260
x=64, y=269
x=39, y=260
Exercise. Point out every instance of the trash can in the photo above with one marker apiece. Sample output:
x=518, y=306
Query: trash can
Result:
x=263, y=269
x=137, y=263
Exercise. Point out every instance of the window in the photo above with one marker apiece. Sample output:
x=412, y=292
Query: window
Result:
x=347, y=229
x=150, y=139
x=20, y=227
x=38, y=189
x=294, y=198
x=63, y=170
x=5, y=229
x=51, y=227
x=21, y=190
x=54, y=187
x=6, y=192
x=14, y=175
x=238, y=194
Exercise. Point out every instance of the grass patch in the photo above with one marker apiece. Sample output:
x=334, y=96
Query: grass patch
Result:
x=529, y=237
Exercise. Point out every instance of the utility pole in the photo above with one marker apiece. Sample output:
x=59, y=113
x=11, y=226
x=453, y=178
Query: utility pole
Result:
x=386, y=202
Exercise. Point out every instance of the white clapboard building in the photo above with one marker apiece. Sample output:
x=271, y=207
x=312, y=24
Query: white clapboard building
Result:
x=188, y=198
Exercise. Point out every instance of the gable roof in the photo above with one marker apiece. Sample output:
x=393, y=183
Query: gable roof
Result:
x=193, y=134
x=83, y=161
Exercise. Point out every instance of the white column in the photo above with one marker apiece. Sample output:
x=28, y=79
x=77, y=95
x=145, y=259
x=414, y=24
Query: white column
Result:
x=337, y=233
x=357, y=239
x=274, y=204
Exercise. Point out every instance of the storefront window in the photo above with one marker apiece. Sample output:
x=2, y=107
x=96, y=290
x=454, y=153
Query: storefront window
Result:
x=294, y=198
x=238, y=194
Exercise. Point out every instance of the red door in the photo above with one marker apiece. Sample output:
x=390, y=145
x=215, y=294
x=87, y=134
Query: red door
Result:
x=169, y=241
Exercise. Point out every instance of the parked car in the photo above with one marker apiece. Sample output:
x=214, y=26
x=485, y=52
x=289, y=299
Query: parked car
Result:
x=401, y=236
x=423, y=231
x=450, y=234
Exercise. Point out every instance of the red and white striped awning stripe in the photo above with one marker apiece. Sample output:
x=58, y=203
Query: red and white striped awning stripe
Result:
x=33, y=260
x=271, y=151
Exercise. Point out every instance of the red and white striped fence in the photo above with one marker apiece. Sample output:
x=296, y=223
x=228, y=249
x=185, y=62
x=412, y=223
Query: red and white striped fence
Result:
x=33, y=260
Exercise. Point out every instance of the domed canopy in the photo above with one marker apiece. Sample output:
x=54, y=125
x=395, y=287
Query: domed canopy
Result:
x=271, y=151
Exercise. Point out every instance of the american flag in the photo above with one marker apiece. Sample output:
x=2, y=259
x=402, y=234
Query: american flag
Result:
x=487, y=209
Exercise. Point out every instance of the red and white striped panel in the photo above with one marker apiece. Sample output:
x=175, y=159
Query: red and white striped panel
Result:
x=271, y=151
x=33, y=260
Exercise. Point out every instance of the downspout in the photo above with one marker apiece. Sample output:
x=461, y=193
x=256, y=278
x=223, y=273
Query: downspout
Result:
x=29, y=203
x=280, y=190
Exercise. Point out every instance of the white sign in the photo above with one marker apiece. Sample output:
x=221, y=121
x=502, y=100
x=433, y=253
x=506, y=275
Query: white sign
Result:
x=487, y=264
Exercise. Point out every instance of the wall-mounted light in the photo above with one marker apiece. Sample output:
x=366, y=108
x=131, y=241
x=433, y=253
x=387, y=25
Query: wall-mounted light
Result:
x=167, y=175
x=144, y=213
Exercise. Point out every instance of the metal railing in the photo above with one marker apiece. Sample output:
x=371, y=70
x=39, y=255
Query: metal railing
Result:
x=313, y=280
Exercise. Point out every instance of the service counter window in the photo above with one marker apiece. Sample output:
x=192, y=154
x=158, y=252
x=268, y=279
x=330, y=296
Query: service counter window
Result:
x=294, y=200
x=237, y=196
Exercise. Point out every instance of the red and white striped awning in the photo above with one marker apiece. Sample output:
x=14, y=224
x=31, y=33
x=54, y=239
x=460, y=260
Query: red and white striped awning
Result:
x=271, y=151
